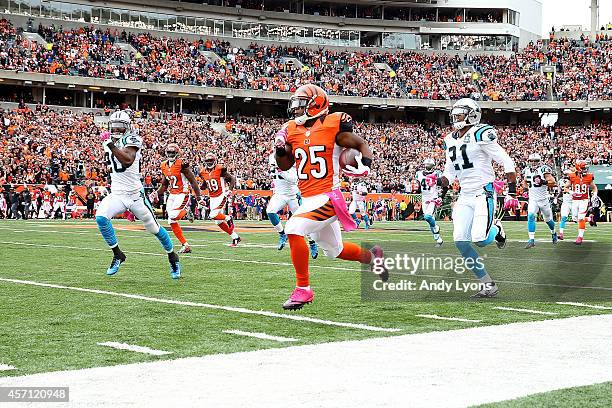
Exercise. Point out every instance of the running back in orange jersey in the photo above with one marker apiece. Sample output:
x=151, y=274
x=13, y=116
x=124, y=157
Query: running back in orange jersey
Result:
x=214, y=180
x=316, y=152
x=177, y=181
x=580, y=185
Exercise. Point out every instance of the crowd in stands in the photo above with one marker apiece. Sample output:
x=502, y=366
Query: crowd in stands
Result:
x=49, y=147
x=583, y=67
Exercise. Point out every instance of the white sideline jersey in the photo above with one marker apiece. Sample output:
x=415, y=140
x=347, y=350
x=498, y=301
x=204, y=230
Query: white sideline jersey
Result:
x=469, y=158
x=428, y=193
x=283, y=182
x=125, y=180
x=536, y=180
x=359, y=192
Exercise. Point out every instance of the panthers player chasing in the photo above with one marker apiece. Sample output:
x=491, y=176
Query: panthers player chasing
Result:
x=580, y=181
x=219, y=182
x=427, y=179
x=312, y=140
x=285, y=193
x=122, y=151
x=470, y=150
x=358, y=195
x=538, y=179
x=176, y=178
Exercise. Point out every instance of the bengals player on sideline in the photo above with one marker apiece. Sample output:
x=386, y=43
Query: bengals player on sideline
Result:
x=216, y=180
x=579, y=183
x=313, y=139
x=176, y=174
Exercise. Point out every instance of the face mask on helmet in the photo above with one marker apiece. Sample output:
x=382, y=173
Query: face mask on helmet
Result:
x=459, y=117
x=297, y=107
x=429, y=166
x=171, y=154
x=117, y=129
x=210, y=162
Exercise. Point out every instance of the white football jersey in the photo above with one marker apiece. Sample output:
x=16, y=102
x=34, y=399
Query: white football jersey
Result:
x=125, y=179
x=429, y=193
x=469, y=158
x=359, y=192
x=283, y=182
x=536, y=180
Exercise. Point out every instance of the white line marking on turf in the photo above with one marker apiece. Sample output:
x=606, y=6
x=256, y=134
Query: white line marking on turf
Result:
x=585, y=305
x=209, y=306
x=514, y=309
x=455, y=319
x=339, y=268
x=6, y=367
x=132, y=347
x=263, y=336
x=435, y=369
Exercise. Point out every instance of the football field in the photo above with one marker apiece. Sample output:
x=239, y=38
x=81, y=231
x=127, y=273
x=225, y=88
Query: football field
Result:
x=61, y=312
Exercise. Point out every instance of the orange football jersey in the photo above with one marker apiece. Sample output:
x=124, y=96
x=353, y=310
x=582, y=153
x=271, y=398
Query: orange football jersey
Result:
x=316, y=152
x=214, y=181
x=47, y=196
x=580, y=185
x=177, y=182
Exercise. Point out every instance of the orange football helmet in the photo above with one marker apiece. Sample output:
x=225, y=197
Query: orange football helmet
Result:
x=312, y=98
x=172, y=151
x=581, y=166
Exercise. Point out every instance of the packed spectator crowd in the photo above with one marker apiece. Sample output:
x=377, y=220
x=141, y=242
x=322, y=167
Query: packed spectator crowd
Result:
x=583, y=67
x=49, y=147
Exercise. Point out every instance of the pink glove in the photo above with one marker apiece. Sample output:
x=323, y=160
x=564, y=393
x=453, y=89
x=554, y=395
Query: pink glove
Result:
x=437, y=202
x=360, y=171
x=280, y=139
x=510, y=203
x=431, y=179
x=498, y=185
x=526, y=194
x=129, y=216
x=104, y=136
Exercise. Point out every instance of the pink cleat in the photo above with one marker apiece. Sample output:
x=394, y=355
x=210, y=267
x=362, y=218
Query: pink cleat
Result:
x=298, y=299
x=129, y=216
x=560, y=236
x=579, y=241
x=380, y=269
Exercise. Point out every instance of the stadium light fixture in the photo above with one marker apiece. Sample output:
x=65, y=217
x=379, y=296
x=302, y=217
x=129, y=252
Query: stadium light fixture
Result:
x=71, y=86
x=210, y=96
x=247, y=99
x=143, y=90
x=122, y=90
x=50, y=83
x=95, y=88
x=606, y=109
x=27, y=82
x=1, y=80
x=162, y=92
x=365, y=106
x=430, y=109
x=566, y=110
x=230, y=96
x=400, y=108
x=183, y=94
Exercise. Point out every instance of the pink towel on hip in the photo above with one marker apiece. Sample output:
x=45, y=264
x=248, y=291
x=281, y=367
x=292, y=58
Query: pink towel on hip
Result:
x=337, y=199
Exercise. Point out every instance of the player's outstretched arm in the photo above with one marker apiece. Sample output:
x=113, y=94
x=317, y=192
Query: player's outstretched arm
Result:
x=229, y=179
x=163, y=186
x=192, y=180
x=126, y=156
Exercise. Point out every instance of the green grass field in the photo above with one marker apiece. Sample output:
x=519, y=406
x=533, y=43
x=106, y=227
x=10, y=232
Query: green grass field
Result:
x=50, y=328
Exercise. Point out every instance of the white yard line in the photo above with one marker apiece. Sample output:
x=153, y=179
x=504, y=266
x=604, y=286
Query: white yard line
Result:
x=262, y=336
x=584, y=305
x=132, y=347
x=439, y=369
x=242, y=310
x=514, y=309
x=454, y=319
x=287, y=264
x=6, y=367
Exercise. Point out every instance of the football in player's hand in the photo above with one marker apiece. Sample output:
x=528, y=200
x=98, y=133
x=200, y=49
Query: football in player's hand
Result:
x=348, y=158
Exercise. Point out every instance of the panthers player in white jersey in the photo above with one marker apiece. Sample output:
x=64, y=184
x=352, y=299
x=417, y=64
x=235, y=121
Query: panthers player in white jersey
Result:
x=358, y=197
x=470, y=150
x=285, y=193
x=427, y=179
x=538, y=179
x=122, y=152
